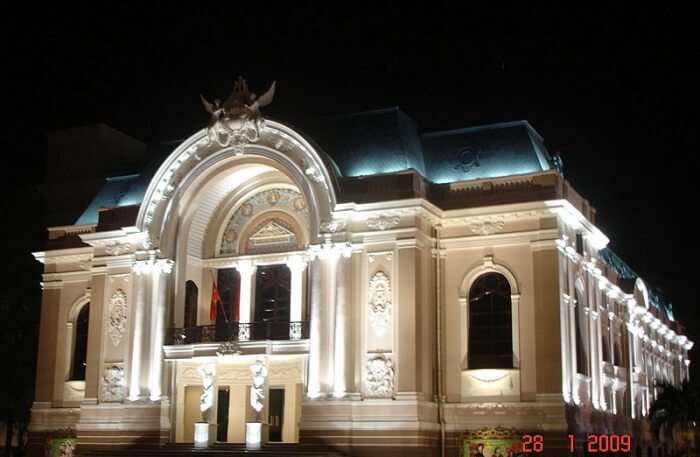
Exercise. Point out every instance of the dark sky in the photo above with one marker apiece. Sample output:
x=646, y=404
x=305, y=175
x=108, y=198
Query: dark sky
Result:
x=609, y=89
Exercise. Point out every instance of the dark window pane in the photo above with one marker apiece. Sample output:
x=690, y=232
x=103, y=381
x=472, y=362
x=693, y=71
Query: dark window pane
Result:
x=80, y=344
x=490, y=324
x=191, y=298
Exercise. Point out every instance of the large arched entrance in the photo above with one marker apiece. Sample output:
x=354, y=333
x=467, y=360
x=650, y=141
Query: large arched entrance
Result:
x=238, y=225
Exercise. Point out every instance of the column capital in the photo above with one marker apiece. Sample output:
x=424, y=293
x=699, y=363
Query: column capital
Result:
x=153, y=265
x=296, y=262
x=330, y=249
x=246, y=267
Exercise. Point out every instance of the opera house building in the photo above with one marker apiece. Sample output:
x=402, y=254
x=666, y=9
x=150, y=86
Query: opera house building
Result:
x=352, y=285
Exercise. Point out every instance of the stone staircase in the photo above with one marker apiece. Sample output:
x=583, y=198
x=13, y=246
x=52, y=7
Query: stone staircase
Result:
x=216, y=450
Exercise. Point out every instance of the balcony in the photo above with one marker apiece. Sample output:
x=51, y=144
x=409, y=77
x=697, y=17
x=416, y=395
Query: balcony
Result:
x=240, y=332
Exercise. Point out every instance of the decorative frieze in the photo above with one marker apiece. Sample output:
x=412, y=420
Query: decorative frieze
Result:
x=383, y=222
x=488, y=226
x=118, y=312
x=285, y=199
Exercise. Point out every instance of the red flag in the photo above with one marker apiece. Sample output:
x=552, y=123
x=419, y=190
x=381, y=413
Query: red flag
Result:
x=215, y=302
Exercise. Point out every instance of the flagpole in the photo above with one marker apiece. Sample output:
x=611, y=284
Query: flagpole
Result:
x=220, y=304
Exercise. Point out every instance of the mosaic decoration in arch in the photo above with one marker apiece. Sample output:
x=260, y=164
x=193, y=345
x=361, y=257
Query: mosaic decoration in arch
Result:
x=285, y=199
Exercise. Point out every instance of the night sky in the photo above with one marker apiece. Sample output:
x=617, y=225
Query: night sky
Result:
x=608, y=89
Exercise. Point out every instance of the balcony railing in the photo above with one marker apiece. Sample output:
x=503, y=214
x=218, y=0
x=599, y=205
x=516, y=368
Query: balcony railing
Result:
x=239, y=331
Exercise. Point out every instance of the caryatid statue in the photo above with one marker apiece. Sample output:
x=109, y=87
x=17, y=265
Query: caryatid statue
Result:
x=238, y=120
x=208, y=373
x=257, y=390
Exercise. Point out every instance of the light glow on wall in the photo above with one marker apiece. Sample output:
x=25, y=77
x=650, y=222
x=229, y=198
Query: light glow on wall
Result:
x=201, y=434
x=488, y=375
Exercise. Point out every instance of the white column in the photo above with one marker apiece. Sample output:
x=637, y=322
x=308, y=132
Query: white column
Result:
x=141, y=346
x=322, y=368
x=630, y=333
x=330, y=265
x=137, y=348
x=340, y=343
x=313, y=387
x=565, y=327
x=595, y=358
x=297, y=265
x=247, y=271
x=159, y=298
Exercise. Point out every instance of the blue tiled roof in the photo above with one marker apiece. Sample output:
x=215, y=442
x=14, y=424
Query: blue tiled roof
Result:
x=660, y=302
x=488, y=151
x=386, y=141
x=115, y=192
x=618, y=265
x=370, y=142
x=377, y=142
x=623, y=271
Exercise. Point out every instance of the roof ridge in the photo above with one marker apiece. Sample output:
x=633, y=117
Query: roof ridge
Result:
x=496, y=125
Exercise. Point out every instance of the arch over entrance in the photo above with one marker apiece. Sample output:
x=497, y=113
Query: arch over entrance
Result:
x=204, y=172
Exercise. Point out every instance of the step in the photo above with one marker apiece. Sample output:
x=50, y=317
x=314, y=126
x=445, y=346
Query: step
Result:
x=216, y=450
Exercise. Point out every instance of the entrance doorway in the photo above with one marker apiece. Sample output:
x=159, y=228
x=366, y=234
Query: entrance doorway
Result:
x=191, y=413
x=222, y=415
x=276, y=419
x=272, y=297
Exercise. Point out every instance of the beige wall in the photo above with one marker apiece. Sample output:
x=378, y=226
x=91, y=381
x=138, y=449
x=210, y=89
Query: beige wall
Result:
x=535, y=292
x=547, y=320
x=46, y=358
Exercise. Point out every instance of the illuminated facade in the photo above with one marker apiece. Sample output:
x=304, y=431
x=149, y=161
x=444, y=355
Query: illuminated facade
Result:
x=402, y=290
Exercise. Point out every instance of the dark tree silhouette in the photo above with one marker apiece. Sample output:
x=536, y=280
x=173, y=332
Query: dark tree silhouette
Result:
x=676, y=409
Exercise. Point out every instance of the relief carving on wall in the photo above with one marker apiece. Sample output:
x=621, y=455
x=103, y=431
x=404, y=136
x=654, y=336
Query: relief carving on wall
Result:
x=117, y=316
x=379, y=377
x=383, y=222
x=487, y=226
x=113, y=384
x=117, y=248
x=379, y=302
x=332, y=226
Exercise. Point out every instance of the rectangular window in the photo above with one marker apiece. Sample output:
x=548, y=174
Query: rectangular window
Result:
x=579, y=243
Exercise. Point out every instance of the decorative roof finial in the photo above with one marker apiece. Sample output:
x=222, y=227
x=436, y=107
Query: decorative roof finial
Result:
x=238, y=120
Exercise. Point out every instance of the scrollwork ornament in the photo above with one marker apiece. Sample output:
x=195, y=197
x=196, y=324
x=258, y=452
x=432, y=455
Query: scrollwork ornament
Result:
x=379, y=302
x=228, y=348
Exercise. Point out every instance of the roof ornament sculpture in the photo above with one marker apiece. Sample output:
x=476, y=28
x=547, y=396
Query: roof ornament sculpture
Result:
x=237, y=121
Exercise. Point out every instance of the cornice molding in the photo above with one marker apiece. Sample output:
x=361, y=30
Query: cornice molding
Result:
x=64, y=255
x=525, y=237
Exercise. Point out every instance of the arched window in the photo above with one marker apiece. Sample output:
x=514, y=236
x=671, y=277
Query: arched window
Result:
x=79, y=356
x=490, y=323
x=191, y=297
